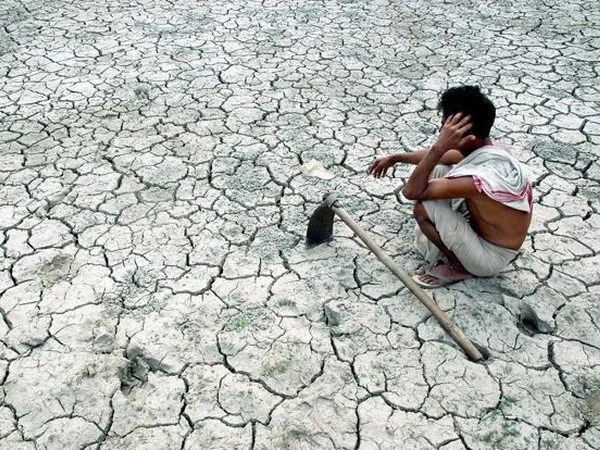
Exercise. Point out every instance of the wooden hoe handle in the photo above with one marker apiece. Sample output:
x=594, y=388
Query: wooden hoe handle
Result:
x=425, y=299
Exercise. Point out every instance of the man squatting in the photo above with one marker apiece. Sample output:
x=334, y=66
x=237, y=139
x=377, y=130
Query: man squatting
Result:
x=473, y=203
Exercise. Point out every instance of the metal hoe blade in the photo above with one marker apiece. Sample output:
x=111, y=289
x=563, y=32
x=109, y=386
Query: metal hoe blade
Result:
x=320, y=226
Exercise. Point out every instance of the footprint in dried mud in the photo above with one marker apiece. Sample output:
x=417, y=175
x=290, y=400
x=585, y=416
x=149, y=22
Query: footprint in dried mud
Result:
x=530, y=323
x=592, y=409
x=286, y=307
x=136, y=371
x=56, y=269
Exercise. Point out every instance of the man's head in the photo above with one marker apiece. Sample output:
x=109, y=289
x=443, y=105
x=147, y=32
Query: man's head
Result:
x=469, y=100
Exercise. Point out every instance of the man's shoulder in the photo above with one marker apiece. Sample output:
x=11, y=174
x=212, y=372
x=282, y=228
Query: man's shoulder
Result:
x=494, y=154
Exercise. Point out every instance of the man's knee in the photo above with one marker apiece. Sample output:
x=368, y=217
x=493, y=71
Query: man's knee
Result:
x=439, y=171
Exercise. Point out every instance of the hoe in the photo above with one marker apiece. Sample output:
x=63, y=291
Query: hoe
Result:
x=320, y=230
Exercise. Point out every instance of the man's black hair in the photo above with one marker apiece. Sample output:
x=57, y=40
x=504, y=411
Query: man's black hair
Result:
x=469, y=100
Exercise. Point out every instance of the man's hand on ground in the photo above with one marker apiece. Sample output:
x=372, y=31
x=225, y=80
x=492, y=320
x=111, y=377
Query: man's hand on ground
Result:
x=380, y=166
x=453, y=134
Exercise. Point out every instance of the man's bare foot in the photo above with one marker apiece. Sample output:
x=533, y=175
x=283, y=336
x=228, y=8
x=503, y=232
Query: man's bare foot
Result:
x=440, y=275
x=423, y=268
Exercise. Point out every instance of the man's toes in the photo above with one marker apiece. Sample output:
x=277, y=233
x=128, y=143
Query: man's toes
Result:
x=427, y=279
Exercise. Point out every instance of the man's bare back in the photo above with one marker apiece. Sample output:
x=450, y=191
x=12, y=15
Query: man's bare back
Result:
x=496, y=223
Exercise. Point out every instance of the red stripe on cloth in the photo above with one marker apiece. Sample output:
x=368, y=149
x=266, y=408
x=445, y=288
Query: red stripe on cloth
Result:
x=506, y=196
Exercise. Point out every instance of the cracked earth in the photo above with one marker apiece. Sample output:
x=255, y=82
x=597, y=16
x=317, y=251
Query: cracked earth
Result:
x=159, y=163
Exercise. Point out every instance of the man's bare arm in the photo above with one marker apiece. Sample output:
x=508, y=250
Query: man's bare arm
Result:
x=419, y=179
x=452, y=135
x=381, y=165
x=450, y=157
x=447, y=188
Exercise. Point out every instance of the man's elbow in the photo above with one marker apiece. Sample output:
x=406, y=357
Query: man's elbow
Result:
x=410, y=194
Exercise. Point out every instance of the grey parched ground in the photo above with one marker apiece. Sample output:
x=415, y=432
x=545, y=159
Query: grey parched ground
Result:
x=155, y=288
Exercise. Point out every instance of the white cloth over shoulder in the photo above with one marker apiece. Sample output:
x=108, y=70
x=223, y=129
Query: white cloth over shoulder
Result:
x=499, y=175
